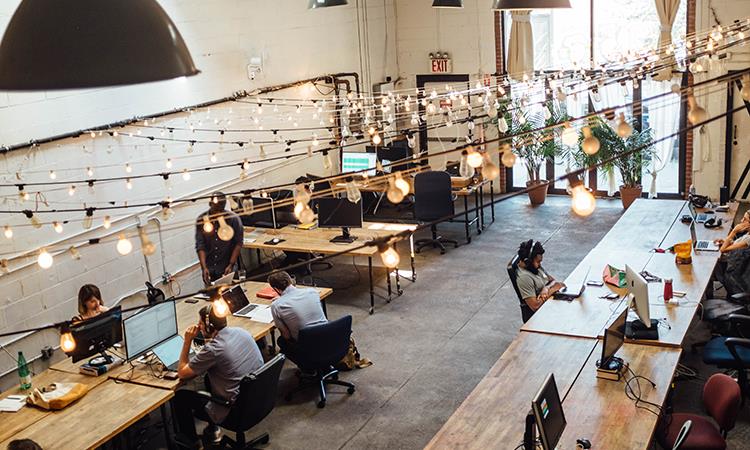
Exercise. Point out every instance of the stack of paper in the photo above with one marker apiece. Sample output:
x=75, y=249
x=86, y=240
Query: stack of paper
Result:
x=12, y=403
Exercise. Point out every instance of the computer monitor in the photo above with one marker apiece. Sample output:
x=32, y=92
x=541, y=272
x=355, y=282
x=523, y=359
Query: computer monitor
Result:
x=356, y=161
x=645, y=328
x=548, y=412
x=340, y=213
x=96, y=335
x=149, y=327
x=263, y=215
x=614, y=336
x=398, y=151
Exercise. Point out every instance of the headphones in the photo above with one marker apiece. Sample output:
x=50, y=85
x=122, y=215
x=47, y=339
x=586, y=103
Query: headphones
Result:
x=207, y=320
x=713, y=223
x=535, y=250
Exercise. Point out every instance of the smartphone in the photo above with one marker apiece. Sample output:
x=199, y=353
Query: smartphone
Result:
x=191, y=300
x=595, y=283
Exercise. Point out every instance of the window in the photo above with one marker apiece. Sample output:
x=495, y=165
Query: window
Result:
x=603, y=30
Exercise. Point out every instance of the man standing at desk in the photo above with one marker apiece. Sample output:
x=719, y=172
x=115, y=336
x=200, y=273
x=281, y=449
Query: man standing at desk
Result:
x=217, y=256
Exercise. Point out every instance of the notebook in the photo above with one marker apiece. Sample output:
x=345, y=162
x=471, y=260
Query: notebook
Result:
x=267, y=293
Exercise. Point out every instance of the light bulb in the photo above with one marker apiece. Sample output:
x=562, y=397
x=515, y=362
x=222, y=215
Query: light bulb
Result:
x=128, y=169
x=74, y=254
x=167, y=213
x=72, y=191
x=393, y=193
x=569, y=136
x=490, y=171
x=376, y=139
x=315, y=141
x=226, y=233
x=58, y=227
x=431, y=108
x=147, y=247
x=213, y=158
x=35, y=222
x=492, y=113
x=4, y=266
x=220, y=308
x=502, y=125
x=45, y=260
x=464, y=169
x=352, y=192
x=168, y=164
x=107, y=222
x=89, y=171
x=185, y=175
x=624, y=130
x=402, y=184
x=583, y=202
x=8, y=231
x=23, y=195
x=474, y=159
x=128, y=184
x=88, y=220
x=590, y=143
x=306, y=215
x=208, y=227
x=696, y=114
x=67, y=343
x=389, y=256
x=508, y=159
x=52, y=175
x=124, y=246
x=745, y=92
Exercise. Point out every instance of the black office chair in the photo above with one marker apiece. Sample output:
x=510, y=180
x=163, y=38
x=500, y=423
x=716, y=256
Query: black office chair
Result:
x=255, y=401
x=526, y=311
x=732, y=352
x=319, y=348
x=433, y=199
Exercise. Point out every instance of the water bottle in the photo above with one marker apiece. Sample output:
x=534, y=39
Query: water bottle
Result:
x=668, y=293
x=23, y=372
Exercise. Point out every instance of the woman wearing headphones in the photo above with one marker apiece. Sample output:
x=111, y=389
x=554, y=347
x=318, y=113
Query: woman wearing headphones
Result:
x=534, y=283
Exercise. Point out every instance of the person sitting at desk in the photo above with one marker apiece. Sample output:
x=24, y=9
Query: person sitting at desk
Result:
x=229, y=355
x=90, y=303
x=534, y=283
x=295, y=308
x=217, y=257
x=738, y=238
x=23, y=444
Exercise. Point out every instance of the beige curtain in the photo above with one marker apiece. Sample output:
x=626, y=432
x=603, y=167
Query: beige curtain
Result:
x=521, y=46
x=667, y=11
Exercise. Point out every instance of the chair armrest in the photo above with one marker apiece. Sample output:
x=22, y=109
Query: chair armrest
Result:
x=732, y=344
x=743, y=297
x=214, y=399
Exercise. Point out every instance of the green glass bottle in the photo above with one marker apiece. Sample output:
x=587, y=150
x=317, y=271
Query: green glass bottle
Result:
x=23, y=372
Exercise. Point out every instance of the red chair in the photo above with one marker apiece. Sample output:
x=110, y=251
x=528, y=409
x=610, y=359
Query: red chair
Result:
x=721, y=397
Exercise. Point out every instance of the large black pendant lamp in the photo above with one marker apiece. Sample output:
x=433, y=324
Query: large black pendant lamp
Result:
x=447, y=3
x=529, y=4
x=325, y=3
x=71, y=44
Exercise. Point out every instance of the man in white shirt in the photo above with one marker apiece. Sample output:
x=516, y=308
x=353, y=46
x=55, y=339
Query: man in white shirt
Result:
x=295, y=309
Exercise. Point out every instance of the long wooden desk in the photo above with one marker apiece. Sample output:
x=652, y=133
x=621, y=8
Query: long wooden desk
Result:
x=101, y=414
x=318, y=240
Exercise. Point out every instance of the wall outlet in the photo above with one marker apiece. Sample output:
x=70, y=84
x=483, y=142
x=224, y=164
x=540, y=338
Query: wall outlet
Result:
x=47, y=352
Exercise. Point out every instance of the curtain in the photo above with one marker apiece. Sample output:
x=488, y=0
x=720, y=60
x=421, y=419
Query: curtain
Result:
x=521, y=46
x=664, y=121
x=667, y=11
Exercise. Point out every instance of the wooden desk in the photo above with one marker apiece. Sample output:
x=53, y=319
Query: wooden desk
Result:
x=644, y=225
x=493, y=415
x=599, y=410
x=100, y=415
x=13, y=423
x=318, y=240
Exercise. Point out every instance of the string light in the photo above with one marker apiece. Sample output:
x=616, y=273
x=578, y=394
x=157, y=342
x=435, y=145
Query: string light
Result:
x=624, y=130
x=226, y=233
x=74, y=254
x=128, y=184
x=89, y=171
x=185, y=175
x=352, y=192
x=213, y=158
x=464, y=169
x=474, y=159
x=67, y=342
x=376, y=139
x=590, y=143
x=45, y=260
x=8, y=232
x=745, y=91
x=128, y=169
x=168, y=164
x=52, y=175
x=569, y=135
x=389, y=256
x=58, y=227
x=394, y=194
x=509, y=158
x=696, y=114
x=583, y=201
x=33, y=219
x=147, y=247
x=107, y=222
x=219, y=307
x=72, y=190
x=402, y=184
x=208, y=227
x=490, y=171
x=124, y=246
x=88, y=219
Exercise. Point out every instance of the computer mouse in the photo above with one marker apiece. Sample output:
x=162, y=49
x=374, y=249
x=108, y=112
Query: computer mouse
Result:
x=275, y=240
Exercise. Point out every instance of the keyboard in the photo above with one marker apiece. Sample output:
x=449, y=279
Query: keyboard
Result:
x=244, y=311
x=702, y=244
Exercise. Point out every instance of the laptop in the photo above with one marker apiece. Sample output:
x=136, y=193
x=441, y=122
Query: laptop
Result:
x=238, y=302
x=168, y=352
x=573, y=291
x=702, y=246
x=697, y=217
x=226, y=279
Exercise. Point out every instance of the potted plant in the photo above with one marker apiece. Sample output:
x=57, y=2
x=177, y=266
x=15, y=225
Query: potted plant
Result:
x=630, y=164
x=535, y=148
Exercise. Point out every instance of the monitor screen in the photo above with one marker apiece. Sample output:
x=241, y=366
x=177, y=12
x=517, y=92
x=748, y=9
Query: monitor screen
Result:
x=338, y=213
x=614, y=336
x=97, y=334
x=548, y=412
x=638, y=289
x=356, y=161
x=150, y=327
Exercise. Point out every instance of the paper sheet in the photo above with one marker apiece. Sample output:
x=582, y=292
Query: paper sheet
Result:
x=13, y=403
x=261, y=313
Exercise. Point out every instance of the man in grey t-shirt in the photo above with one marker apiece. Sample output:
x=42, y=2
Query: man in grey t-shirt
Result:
x=229, y=355
x=534, y=284
x=294, y=309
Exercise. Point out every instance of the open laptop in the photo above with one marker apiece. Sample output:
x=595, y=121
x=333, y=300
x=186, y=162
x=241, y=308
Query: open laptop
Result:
x=701, y=246
x=574, y=290
x=226, y=279
x=168, y=352
x=697, y=217
x=238, y=302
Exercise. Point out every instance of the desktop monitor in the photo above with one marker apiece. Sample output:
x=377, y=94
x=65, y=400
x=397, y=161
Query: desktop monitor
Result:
x=548, y=412
x=614, y=336
x=149, y=327
x=645, y=328
x=340, y=213
x=357, y=161
x=263, y=214
x=96, y=335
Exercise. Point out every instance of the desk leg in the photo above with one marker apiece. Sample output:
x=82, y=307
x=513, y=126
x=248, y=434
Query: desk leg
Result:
x=492, y=200
x=479, y=211
x=388, y=274
x=325, y=310
x=372, y=289
x=167, y=434
x=466, y=217
x=411, y=257
x=273, y=339
x=257, y=253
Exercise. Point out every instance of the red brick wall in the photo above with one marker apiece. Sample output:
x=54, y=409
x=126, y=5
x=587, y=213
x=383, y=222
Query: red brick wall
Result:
x=499, y=70
x=689, y=137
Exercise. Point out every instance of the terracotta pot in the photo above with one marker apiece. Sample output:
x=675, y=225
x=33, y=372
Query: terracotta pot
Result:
x=629, y=194
x=538, y=192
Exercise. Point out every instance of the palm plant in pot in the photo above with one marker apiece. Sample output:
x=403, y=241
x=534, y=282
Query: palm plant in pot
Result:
x=535, y=147
x=629, y=163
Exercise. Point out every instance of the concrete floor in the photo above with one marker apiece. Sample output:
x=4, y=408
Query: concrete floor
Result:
x=432, y=345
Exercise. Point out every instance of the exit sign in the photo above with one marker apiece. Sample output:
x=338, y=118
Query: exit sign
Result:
x=440, y=65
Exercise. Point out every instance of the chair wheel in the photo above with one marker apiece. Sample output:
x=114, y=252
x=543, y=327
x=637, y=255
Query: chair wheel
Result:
x=335, y=376
x=264, y=440
x=321, y=404
x=442, y=252
x=455, y=245
x=350, y=391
